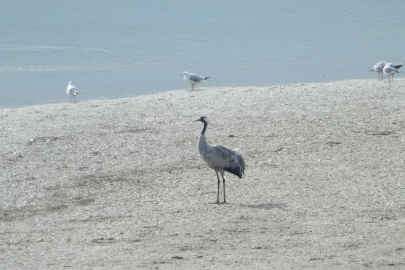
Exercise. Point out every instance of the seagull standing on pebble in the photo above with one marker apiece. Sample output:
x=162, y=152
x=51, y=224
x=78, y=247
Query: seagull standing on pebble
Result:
x=391, y=69
x=193, y=79
x=72, y=91
x=379, y=68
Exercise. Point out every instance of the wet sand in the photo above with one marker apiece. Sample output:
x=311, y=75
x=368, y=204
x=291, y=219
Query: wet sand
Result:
x=119, y=184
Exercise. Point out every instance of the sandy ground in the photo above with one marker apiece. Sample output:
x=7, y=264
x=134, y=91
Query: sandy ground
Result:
x=120, y=184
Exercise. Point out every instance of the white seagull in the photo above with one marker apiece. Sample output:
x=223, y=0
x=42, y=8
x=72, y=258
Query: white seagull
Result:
x=193, y=79
x=379, y=68
x=391, y=69
x=219, y=158
x=72, y=91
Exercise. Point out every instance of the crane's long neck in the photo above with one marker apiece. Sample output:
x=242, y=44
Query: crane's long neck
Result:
x=202, y=142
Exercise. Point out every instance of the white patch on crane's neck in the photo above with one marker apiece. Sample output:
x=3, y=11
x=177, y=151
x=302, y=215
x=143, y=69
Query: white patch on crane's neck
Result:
x=202, y=144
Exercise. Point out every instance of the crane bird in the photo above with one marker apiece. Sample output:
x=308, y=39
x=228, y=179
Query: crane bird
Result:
x=391, y=69
x=193, y=79
x=71, y=90
x=219, y=158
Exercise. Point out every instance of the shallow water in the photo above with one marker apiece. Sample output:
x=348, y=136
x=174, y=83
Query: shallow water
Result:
x=128, y=48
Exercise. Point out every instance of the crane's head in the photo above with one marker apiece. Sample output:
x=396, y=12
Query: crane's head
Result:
x=202, y=119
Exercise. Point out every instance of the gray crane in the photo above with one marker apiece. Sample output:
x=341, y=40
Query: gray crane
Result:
x=219, y=158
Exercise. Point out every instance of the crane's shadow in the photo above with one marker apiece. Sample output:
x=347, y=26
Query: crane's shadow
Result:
x=269, y=206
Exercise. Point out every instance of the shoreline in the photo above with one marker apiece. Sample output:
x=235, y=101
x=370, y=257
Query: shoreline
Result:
x=200, y=87
x=120, y=183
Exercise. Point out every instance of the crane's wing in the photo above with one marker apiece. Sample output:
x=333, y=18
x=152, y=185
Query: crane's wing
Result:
x=223, y=159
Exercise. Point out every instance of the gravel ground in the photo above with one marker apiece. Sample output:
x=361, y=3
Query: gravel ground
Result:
x=119, y=184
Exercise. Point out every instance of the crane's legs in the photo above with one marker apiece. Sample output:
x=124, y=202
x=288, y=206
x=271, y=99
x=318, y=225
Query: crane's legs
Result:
x=219, y=182
x=223, y=183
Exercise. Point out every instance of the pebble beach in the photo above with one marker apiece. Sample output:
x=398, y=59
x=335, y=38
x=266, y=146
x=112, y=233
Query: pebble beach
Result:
x=119, y=184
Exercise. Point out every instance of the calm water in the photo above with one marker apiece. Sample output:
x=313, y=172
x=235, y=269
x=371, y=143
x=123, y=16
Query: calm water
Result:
x=115, y=49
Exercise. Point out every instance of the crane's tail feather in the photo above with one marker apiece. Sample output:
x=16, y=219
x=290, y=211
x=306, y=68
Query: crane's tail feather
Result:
x=235, y=171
